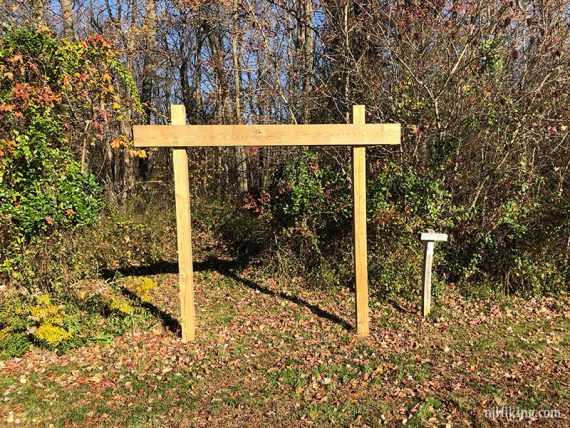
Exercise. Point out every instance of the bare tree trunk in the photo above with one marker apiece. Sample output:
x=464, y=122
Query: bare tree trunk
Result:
x=184, y=86
x=224, y=114
x=148, y=65
x=127, y=180
x=148, y=74
x=240, y=158
x=67, y=19
x=197, y=95
x=306, y=49
x=346, y=32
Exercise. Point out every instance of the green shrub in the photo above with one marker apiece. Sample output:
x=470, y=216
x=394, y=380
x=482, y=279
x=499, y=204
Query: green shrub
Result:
x=307, y=213
x=308, y=208
x=61, y=103
x=13, y=344
x=14, y=324
x=305, y=189
x=42, y=188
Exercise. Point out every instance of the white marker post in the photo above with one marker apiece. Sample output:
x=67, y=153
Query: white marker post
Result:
x=429, y=238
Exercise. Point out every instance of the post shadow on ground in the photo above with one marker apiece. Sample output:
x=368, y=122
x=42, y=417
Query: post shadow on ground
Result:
x=224, y=267
x=168, y=321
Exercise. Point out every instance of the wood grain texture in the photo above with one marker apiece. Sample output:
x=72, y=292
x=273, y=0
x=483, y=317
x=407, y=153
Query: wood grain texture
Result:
x=183, y=232
x=359, y=134
x=359, y=229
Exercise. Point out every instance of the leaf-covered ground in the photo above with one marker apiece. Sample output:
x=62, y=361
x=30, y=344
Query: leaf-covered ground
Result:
x=269, y=356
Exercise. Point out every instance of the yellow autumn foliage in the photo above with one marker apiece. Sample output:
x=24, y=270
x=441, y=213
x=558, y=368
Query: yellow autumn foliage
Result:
x=141, y=286
x=119, y=305
x=44, y=311
x=51, y=321
x=52, y=335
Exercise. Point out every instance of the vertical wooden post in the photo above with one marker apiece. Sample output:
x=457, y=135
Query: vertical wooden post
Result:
x=428, y=260
x=183, y=231
x=429, y=238
x=359, y=228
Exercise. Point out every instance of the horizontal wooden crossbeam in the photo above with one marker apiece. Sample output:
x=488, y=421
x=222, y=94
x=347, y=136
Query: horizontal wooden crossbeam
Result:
x=266, y=135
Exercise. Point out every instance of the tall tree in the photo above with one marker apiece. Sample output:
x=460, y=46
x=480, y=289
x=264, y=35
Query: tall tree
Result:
x=67, y=18
x=240, y=159
x=148, y=73
x=149, y=35
x=306, y=47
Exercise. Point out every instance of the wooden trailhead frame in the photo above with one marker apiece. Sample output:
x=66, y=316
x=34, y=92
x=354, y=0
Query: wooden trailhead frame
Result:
x=180, y=136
